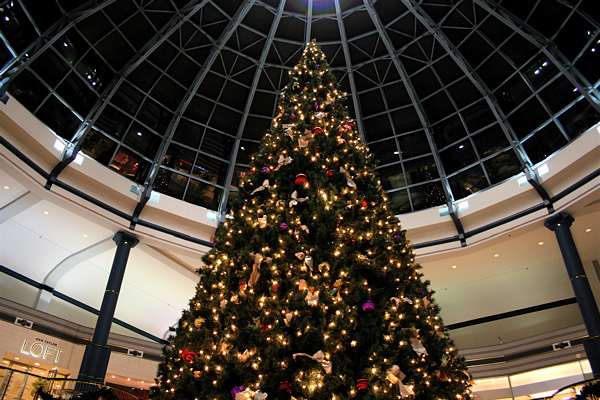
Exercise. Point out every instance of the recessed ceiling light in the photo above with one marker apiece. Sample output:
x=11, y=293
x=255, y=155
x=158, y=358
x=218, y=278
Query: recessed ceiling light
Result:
x=588, y=230
x=46, y=212
x=540, y=243
x=36, y=364
x=454, y=266
x=16, y=358
x=6, y=187
x=496, y=255
x=113, y=376
x=128, y=379
x=85, y=235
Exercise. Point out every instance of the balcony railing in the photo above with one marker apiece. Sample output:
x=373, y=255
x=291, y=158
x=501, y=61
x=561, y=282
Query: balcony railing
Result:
x=586, y=390
x=19, y=385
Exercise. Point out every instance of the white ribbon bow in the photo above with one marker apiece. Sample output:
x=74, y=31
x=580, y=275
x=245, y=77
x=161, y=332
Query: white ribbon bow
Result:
x=255, y=274
x=418, y=346
x=319, y=357
x=283, y=161
x=295, y=200
x=288, y=130
x=264, y=186
x=349, y=180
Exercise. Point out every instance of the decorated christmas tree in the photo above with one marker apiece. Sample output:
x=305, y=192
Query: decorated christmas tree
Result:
x=311, y=291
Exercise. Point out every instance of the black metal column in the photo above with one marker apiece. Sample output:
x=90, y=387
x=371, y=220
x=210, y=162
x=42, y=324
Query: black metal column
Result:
x=561, y=225
x=97, y=354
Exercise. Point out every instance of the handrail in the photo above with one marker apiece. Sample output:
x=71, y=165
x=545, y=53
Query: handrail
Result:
x=576, y=386
x=65, y=388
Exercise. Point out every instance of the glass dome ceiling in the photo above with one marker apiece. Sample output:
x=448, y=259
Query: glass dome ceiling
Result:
x=452, y=96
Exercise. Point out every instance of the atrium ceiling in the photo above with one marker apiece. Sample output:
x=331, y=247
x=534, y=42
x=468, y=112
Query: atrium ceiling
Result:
x=453, y=97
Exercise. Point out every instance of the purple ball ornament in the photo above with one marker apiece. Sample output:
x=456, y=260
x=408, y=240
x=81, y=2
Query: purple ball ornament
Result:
x=236, y=390
x=292, y=116
x=316, y=106
x=265, y=170
x=368, y=306
x=283, y=226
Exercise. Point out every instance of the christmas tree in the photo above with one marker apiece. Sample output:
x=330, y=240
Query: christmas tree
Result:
x=311, y=291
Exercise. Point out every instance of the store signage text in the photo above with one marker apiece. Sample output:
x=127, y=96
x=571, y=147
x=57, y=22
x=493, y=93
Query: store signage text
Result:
x=41, y=348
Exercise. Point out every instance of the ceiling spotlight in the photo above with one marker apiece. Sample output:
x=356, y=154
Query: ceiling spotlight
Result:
x=540, y=243
x=6, y=187
x=588, y=230
x=85, y=235
x=496, y=255
x=46, y=212
x=454, y=266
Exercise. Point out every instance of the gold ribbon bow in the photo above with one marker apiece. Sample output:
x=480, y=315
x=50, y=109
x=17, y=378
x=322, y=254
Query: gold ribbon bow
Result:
x=250, y=395
x=308, y=260
x=264, y=186
x=319, y=357
x=255, y=274
x=288, y=318
x=283, y=161
x=349, y=180
x=312, y=297
x=262, y=221
x=295, y=199
x=394, y=375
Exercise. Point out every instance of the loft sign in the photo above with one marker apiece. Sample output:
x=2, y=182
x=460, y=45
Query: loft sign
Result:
x=41, y=348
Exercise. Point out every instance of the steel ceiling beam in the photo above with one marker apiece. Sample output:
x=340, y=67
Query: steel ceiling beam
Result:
x=548, y=48
x=356, y=102
x=259, y=69
x=231, y=27
x=491, y=101
x=308, y=22
x=422, y=117
x=43, y=42
x=178, y=19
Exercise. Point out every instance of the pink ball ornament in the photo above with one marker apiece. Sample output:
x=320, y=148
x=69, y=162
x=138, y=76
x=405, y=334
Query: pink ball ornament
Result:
x=368, y=306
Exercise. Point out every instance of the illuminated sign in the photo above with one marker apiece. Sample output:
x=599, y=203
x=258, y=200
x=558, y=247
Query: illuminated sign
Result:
x=41, y=348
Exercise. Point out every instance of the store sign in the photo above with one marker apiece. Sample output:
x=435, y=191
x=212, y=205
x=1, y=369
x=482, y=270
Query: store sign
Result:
x=41, y=348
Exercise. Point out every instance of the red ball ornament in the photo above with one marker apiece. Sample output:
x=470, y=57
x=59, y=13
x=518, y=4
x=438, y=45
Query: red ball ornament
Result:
x=361, y=384
x=329, y=173
x=252, y=171
x=188, y=355
x=368, y=306
x=445, y=376
x=301, y=179
x=365, y=203
x=317, y=130
x=285, y=385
